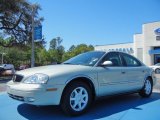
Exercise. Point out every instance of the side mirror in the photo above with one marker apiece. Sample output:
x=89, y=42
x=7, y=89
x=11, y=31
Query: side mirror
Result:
x=107, y=63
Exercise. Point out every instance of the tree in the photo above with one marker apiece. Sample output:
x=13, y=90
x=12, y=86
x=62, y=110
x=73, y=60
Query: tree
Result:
x=15, y=56
x=75, y=50
x=56, y=50
x=42, y=57
x=72, y=48
x=55, y=43
x=16, y=22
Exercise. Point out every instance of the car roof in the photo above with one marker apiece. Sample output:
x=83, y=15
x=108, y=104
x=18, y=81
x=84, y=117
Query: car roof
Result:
x=111, y=51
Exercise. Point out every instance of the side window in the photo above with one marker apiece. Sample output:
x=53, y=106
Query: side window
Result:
x=130, y=61
x=114, y=58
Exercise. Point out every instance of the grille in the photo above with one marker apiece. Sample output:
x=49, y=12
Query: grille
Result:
x=17, y=78
x=16, y=97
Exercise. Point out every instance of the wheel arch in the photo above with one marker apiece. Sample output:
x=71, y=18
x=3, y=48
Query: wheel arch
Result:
x=83, y=79
x=150, y=77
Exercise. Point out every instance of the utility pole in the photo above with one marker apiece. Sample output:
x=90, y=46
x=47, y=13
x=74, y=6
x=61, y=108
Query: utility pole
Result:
x=2, y=58
x=32, y=56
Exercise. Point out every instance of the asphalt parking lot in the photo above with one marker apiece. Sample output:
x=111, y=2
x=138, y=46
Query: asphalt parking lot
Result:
x=126, y=107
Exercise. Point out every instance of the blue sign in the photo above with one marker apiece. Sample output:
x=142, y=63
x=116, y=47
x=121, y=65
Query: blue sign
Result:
x=151, y=52
x=157, y=31
x=38, y=32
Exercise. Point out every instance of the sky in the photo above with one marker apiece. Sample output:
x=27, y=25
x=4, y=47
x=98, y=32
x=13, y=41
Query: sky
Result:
x=96, y=22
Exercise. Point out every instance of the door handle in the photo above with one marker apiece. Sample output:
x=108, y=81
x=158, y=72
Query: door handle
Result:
x=123, y=72
x=143, y=71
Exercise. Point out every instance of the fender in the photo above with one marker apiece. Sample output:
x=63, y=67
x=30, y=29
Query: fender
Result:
x=92, y=80
x=150, y=74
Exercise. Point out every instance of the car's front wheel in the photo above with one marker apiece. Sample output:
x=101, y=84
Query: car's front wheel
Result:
x=146, y=91
x=157, y=70
x=76, y=99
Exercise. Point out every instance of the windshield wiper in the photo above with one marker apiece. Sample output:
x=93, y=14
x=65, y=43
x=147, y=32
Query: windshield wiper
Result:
x=71, y=64
x=67, y=63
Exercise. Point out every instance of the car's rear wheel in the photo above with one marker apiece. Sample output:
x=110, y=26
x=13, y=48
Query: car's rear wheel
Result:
x=76, y=98
x=147, y=88
x=157, y=70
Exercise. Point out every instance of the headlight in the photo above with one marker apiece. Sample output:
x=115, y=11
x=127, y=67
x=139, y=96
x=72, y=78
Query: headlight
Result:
x=37, y=79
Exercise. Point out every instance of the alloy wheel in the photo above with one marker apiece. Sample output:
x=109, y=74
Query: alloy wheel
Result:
x=148, y=87
x=79, y=99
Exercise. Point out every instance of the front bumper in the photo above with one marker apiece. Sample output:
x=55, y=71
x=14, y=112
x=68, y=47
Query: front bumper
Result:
x=35, y=94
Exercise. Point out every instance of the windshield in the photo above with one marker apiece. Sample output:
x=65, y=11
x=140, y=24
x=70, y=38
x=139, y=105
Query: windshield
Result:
x=88, y=58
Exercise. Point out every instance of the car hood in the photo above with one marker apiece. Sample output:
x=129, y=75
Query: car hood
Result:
x=153, y=66
x=52, y=70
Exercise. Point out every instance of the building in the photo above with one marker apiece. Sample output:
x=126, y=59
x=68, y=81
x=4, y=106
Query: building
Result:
x=145, y=46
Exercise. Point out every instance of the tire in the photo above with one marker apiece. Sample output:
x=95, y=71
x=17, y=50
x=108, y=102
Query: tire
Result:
x=157, y=70
x=76, y=99
x=146, y=91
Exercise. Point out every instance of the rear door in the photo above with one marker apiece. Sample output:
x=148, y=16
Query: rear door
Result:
x=133, y=72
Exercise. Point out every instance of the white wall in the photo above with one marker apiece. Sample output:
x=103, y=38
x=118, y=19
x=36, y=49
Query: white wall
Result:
x=149, y=41
x=142, y=43
x=128, y=47
x=138, y=44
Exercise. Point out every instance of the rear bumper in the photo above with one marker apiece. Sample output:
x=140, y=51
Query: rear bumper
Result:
x=154, y=78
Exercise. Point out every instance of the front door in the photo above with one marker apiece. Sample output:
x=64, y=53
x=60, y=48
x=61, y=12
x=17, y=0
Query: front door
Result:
x=110, y=77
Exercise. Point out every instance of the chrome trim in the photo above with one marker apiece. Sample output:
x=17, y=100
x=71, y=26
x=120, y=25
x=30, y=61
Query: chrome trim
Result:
x=116, y=83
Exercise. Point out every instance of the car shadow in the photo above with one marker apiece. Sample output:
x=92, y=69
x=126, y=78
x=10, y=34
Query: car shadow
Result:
x=100, y=109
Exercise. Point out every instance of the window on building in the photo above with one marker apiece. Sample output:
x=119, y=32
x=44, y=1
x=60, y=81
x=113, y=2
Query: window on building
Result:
x=157, y=37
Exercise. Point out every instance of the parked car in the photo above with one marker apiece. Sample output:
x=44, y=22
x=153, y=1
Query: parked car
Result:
x=7, y=69
x=7, y=66
x=77, y=82
x=156, y=68
x=1, y=69
x=22, y=67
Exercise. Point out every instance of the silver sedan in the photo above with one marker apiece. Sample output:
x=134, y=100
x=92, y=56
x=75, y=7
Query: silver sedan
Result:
x=77, y=82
